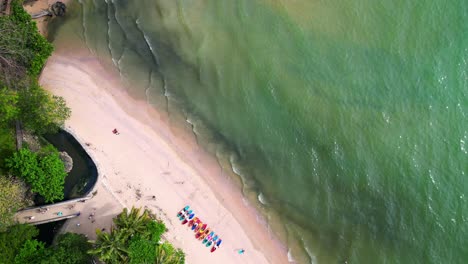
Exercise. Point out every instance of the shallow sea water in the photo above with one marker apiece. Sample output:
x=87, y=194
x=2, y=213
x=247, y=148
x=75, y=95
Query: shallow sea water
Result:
x=346, y=121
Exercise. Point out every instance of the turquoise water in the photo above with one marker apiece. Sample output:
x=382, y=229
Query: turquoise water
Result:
x=348, y=119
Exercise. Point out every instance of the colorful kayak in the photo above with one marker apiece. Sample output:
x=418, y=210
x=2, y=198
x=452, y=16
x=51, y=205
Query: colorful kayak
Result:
x=213, y=240
x=200, y=228
x=185, y=215
x=187, y=219
x=208, y=238
x=203, y=235
x=196, y=225
x=213, y=249
x=191, y=222
x=181, y=212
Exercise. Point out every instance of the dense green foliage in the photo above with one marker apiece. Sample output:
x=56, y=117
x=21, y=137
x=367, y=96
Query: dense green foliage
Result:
x=8, y=106
x=35, y=42
x=12, y=241
x=41, y=112
x=12, y=198
x=110, y=247
x=44, y=172
x=70, y=249
x=167, y=254
x=135, y=239
x=142, y=251
x=33, y=251
x=22, y=49
x=23, y=52
x=7, y=145
x=18, y=246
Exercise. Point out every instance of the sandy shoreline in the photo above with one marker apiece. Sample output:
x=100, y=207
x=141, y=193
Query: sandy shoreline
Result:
x=150, y=157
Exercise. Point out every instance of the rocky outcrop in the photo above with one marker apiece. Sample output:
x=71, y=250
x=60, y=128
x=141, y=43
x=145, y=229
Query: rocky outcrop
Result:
x=67, y=161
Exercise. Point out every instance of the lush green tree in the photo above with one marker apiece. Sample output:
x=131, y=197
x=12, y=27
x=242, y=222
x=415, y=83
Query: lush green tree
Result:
x=70, y=249
x=35, y=42
x=8, y=106
x=14, y=55
x=44, y=173
x=33, y=251
x=54, y=174
x=141, y=251
x=40, y=111
x=133, y=223
x=135, y=239
x=110, y=247
x=22, y=49
x=12, y=198
x=167, y=254
x=156, y=228
x=23, y=163
x=12, y=241
x=7, y=146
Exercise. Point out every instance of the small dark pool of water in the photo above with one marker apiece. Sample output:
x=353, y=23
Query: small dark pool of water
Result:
x=80, y=180
x=47, y=232
x=83, y=176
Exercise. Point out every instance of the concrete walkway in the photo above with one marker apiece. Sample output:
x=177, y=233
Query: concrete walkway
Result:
x=53, y=212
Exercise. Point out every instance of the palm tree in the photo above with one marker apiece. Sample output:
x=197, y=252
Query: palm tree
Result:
x=133, y=223
x=110, y=247
x=166, y=254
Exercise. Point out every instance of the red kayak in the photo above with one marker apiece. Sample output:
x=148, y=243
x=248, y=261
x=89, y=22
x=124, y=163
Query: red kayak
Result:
x=191, y=222
x=190, y=217
x=196, y=224
x=200, y=228
x=213, y=249
x=201, y=236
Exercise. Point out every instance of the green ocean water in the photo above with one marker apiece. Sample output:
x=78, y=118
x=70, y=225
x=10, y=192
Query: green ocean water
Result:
x=347, y=120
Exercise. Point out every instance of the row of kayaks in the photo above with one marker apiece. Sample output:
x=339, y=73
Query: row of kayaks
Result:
x=202, y=231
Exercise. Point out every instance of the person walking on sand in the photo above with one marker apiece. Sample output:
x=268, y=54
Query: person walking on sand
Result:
x=115, y=131
x=241, y=251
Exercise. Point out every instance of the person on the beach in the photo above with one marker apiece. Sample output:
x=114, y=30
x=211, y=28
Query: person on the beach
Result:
x=59, y=213
x=115, y=131
x=241, y=251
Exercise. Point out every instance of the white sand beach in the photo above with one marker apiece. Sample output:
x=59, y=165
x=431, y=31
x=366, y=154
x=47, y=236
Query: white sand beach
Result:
x=148, y=158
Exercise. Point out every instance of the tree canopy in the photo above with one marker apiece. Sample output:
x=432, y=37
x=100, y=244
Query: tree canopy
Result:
x=8, y=106
x=18, y=246
x=12, y=241
x=34, y=41
x=135, y=238
x=45, y=173
x=12, y=198
x=70, y=249
x=22, y=49
x=40, y=111
x=33, y=251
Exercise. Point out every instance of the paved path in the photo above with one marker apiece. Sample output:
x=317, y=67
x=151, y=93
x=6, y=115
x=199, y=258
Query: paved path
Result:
x=51, y=213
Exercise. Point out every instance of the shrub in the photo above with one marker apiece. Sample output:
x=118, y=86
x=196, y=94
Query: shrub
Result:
x=44, y=173
x=13, y=240
x=12, y=198
x=39, y=46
